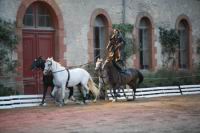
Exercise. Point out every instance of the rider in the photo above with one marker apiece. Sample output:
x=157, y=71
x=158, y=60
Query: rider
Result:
x=114, y=48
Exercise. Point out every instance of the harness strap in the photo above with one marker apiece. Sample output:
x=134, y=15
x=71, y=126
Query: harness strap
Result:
x=59, y=71
x=68, y=77
x=101, y=76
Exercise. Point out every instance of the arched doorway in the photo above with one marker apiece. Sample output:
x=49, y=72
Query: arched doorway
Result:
x=36, y=30
x=38, y=39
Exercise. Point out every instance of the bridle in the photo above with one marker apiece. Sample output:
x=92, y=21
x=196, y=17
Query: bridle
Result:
x=50, y=69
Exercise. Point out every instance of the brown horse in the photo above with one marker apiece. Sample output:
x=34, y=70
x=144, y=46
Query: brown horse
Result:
x=116, y=78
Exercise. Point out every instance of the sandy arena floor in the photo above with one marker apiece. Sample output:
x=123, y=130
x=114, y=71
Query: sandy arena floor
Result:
x=156, y=115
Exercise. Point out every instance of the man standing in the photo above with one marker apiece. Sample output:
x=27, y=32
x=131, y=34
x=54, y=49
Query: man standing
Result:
x=114, y=48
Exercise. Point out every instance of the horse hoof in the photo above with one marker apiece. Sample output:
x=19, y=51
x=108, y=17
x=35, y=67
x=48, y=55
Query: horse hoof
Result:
x=43, y=104
x=52, y=95
x=117, y=95
x=65, y=102
x=113, y=100
x=72, y=98
x=82, y=103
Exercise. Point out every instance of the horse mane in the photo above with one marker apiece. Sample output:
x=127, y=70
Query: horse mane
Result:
x=58, y=63
x=52, y=60
x=116, y=66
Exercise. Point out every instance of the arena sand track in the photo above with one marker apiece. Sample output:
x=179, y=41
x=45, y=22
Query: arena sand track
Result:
x=156, y=115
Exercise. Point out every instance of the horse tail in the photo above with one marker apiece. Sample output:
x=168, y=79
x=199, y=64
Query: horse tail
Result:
x=141, y=77
x=92, y=87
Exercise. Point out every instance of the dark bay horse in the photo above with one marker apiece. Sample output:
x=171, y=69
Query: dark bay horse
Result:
x=116, y=78
x=39, y=64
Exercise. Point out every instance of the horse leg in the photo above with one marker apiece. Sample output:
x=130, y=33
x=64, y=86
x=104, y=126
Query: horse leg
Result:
x=71, y=91
x=44, y=94
x=85, y=92
x=55, y=89
x=134, y=90
x=63, y=95
x=112, y=93
x=124, y=87
x=52, y=86
x=80, y=88
x=115, y=93
x=133, y=87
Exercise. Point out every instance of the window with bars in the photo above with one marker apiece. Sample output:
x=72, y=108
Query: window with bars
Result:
x=37, y=15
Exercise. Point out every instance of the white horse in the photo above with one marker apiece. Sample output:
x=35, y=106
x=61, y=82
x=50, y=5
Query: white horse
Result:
x=63, y=78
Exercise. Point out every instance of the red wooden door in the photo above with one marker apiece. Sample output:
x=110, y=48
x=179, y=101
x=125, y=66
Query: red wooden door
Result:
x=35, y=44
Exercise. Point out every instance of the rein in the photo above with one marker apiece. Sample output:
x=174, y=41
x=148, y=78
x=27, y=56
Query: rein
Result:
x=101, y=75
x=59, y=71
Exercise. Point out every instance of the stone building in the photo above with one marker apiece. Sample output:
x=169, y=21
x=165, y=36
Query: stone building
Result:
x=75, y=32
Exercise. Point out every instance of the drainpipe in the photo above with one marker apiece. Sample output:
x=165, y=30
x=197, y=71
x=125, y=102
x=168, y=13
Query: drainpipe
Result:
x=123, y=11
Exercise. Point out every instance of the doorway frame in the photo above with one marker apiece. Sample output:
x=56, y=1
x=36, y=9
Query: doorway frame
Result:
x=57, y=17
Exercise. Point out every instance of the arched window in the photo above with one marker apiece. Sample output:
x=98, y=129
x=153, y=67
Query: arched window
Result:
x=144, y=43
x=37, y=16
x=99, y=37
x=183, y=48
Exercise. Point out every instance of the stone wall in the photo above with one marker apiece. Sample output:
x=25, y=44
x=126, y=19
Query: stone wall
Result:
x=77, y=14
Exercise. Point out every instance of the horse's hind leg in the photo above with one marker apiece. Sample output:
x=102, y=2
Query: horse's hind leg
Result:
x=124, y=87
x=80, y=88
x=133, y=87
x=85, y=92
x=71, y=91
x=134, y=92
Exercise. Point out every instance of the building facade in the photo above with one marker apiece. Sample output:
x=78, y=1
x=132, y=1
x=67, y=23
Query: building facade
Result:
x=75, y=32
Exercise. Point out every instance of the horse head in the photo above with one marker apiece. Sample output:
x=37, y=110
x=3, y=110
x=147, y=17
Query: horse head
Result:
x=106, y=64
x=48, y=66
x=38, y=63
x=98, y=65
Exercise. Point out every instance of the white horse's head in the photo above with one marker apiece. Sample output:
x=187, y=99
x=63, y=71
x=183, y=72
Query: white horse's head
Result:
x=48, y=66
x=106, y=64
x=98, y=65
